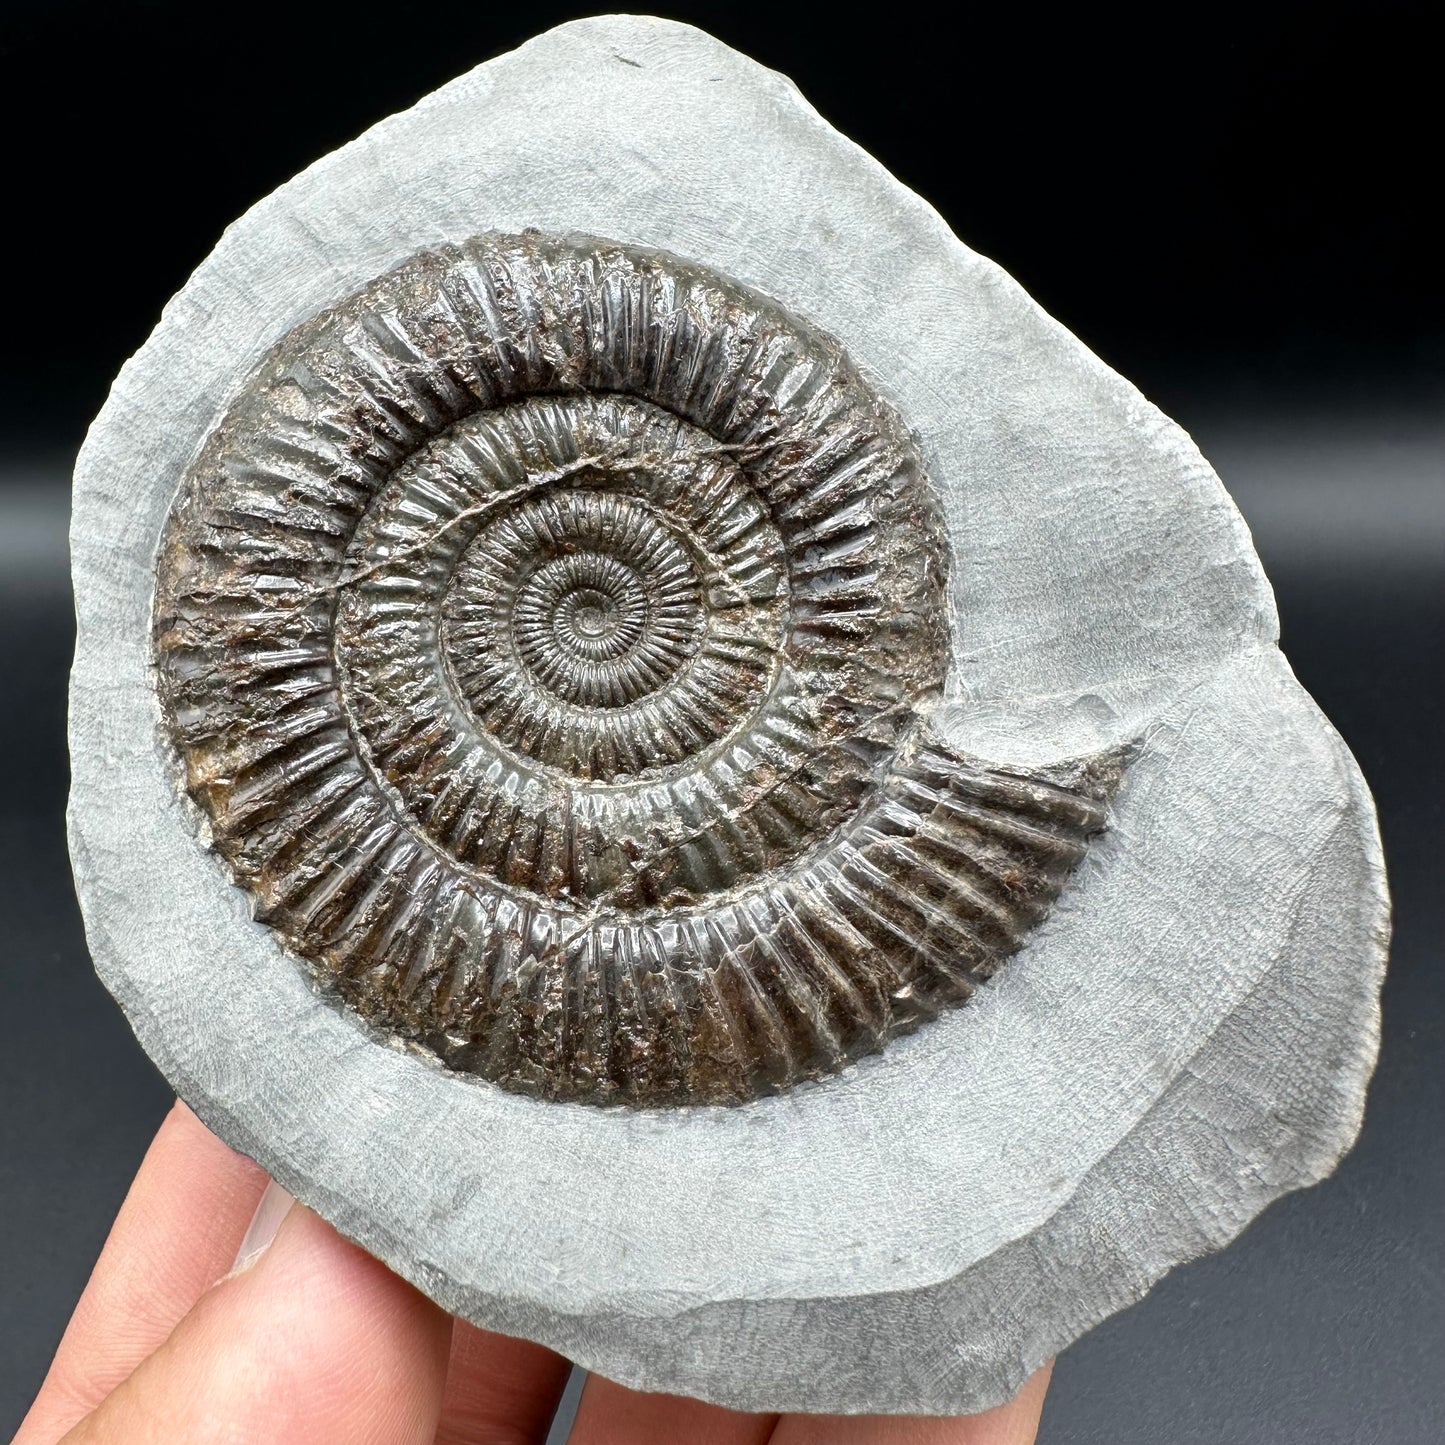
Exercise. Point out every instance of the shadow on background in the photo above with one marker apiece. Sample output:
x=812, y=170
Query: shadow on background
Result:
x=1229, y=214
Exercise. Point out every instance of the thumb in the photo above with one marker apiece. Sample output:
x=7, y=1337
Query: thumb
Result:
x=316, y=1343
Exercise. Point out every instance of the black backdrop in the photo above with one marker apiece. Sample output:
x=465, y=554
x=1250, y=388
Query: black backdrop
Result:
x=1228, y=202
x=1236, y=186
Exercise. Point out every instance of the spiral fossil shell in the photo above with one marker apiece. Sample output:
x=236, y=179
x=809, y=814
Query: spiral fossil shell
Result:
x=550, y=633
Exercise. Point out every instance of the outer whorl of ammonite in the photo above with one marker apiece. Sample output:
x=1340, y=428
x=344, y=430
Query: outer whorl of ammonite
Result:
x=549, y=634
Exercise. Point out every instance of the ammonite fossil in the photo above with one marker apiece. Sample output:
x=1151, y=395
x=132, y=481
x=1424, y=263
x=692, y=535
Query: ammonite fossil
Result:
x=550, y=632
x=592, y=596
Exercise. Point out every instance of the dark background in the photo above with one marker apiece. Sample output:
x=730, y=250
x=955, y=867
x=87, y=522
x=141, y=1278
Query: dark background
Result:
x=1227, y=202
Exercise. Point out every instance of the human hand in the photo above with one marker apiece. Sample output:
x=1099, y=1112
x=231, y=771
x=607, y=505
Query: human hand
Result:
x=313, y=1342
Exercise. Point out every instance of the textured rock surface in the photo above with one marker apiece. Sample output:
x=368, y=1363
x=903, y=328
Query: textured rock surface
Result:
x=1188, y=1034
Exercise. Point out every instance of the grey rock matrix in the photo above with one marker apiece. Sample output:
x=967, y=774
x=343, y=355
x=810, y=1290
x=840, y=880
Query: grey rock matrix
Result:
x=675, y=679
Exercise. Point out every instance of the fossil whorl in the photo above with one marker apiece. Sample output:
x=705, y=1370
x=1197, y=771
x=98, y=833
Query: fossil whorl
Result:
x=549, y=633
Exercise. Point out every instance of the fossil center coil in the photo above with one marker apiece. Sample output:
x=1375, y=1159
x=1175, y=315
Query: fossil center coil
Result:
x=549, y=633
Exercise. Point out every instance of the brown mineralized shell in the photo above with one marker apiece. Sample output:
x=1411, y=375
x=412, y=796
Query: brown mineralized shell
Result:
x=550, y=634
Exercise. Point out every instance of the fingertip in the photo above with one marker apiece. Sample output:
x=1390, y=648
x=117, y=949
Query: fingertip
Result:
x=499, y=1388
x=174, y=1235
x=351, y=1328
x=317, y=1344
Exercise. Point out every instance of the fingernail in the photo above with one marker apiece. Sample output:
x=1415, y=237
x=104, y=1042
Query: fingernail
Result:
x=272, y=1209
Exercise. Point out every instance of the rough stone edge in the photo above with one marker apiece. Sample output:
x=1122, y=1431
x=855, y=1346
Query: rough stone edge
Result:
x=934, y=1365
x=1372, y=856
